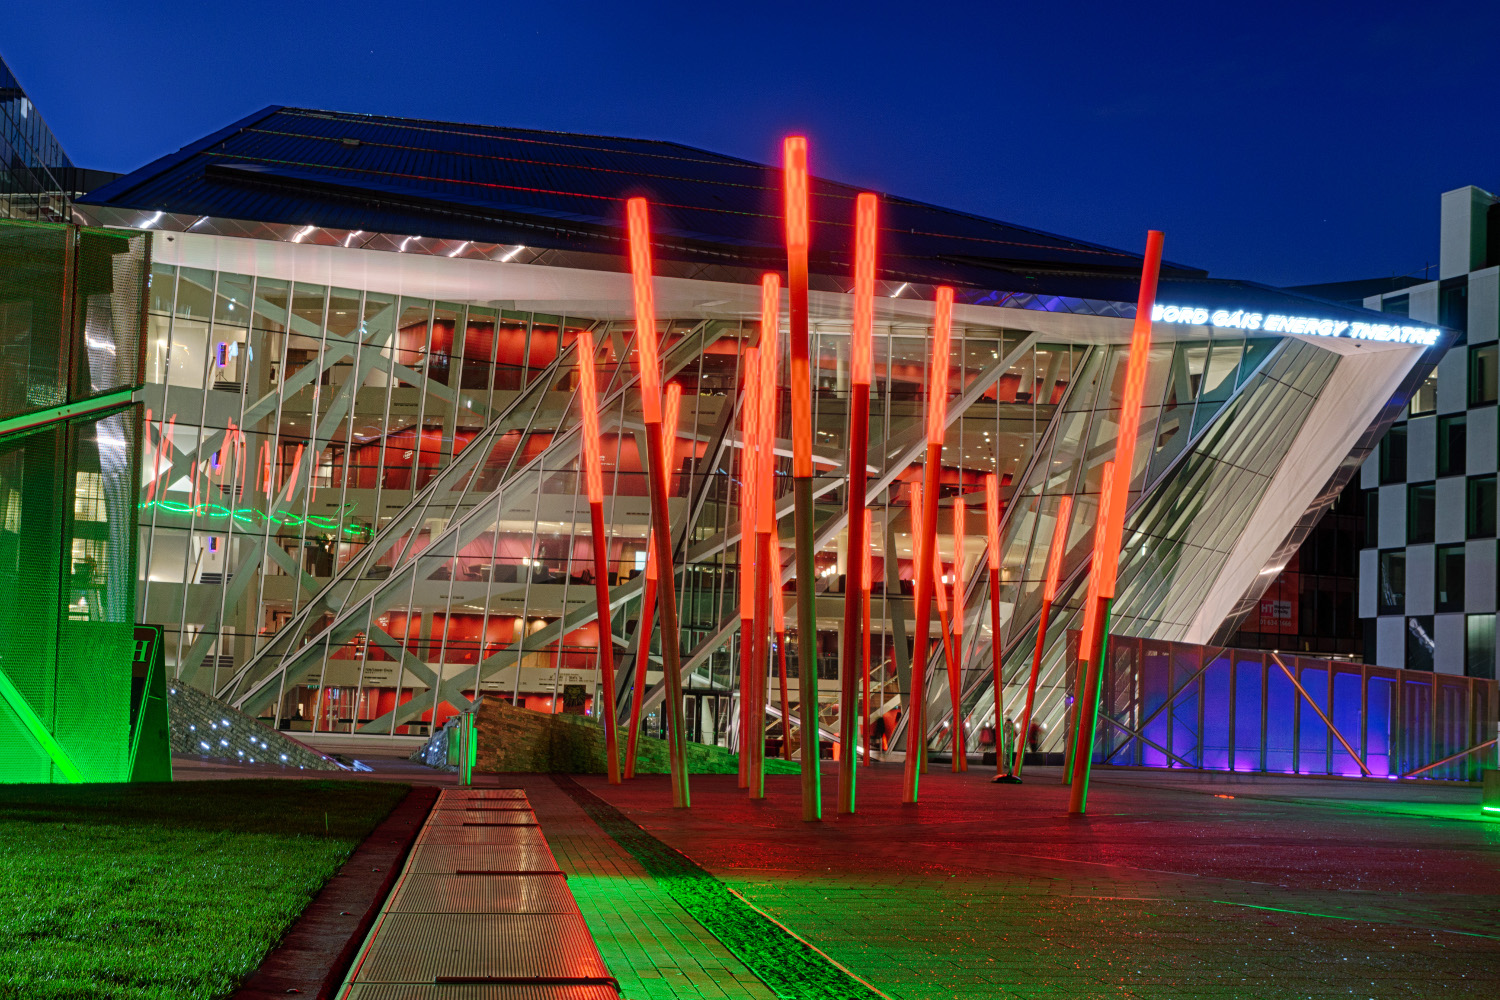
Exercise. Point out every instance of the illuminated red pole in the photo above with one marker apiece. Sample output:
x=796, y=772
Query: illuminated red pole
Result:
x=945, y=631
x=860, y=364
x=642, y=660
x=767, y=545
x=1095, y=604
x=992, y=555
x=914, y=512
x=758, y=649
x=778, y=611
x=749, y=479
x=670, y=409
x=937, y=408
x=940, y=595
x=867, y=576
x=955, y=681
x=797, y=211
x=1095, y=639
x=588, y=403
x=1049, y=592
x=650, y=377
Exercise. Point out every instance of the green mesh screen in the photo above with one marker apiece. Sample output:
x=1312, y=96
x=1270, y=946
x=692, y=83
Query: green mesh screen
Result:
x=30, y=593
x=68, y=521
x=34, y=261
x=108, y=311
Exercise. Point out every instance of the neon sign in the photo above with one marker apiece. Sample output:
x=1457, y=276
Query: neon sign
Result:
x=250, y=515
x=1244, y=319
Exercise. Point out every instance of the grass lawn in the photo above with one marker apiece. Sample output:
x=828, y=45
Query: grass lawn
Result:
x=165, y=890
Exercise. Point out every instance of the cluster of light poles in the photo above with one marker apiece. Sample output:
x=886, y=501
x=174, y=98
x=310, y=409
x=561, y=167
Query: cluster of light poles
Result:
x=760, y=609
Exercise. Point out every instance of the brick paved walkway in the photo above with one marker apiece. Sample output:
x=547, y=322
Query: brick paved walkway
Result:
x=1287, y=889
x=650, y=944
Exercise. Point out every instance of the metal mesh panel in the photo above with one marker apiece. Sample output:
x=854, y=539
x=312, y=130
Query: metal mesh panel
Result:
x=30, y=594
x=96, y=634
x=110, y=270
x=33, y=315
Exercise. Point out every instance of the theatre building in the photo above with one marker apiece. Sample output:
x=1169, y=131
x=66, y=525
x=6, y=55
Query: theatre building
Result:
x=361, y=505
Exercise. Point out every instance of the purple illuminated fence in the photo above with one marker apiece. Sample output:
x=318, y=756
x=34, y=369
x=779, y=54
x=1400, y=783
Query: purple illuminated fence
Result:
x=1179, y=705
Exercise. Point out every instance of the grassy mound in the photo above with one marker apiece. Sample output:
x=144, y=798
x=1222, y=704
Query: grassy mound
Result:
x=165, y=890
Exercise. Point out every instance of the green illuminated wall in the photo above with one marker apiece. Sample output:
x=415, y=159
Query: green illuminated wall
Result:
x=71, y=308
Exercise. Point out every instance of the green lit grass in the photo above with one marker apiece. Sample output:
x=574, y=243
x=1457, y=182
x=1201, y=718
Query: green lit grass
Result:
x=170, y=890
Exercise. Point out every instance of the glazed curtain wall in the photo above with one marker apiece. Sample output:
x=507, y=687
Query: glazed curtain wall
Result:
x=71, y=305
x=465, y=567
x=1217, y=433
x=284, y=417
x=315, y=448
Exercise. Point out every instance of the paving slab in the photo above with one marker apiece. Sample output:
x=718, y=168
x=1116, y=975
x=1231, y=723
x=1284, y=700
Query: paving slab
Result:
x=651, y=944
x=492, y=915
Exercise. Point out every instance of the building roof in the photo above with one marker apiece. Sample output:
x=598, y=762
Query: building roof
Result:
x=1353, y=293
x=566, y=192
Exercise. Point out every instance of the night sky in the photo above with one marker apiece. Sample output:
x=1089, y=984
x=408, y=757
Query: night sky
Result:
x=1283, y=142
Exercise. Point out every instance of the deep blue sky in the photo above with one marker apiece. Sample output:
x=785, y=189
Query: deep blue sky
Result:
x=1284, y=142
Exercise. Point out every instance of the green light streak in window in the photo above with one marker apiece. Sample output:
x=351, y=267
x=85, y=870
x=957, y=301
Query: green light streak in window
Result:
x=251, y=515
x=33, y=722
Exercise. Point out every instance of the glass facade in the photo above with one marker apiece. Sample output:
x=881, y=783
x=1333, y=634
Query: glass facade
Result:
x=362, y=508
x=1313, y=606
x=34, y=170
x=1191, y=494
x=71, y=302
x=408, y=467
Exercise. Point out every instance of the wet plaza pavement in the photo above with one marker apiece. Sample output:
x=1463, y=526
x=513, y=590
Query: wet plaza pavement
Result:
x=1175, y=885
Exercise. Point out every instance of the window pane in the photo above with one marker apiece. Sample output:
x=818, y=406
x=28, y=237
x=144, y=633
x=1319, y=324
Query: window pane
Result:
x=1452, y=445
x=1482, y=374
x=1450, y=578
x=1479, y=646
x=1393, y=455
x=1419, y=644
x=1372, y=518
x=1421, y=511
x=1425, y=399
x=1393, y=581
x=1453, y=304
x=1481, y=510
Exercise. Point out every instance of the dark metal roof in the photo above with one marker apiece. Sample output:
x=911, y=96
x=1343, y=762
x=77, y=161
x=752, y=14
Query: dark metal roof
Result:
x=566, y=191
x=563, y=191
x=1353, y=293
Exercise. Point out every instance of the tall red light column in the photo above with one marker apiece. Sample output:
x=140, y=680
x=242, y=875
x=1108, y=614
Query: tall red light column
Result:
x=955, y=669
x=797, y=213
x=945, y=633
x=593, y=475
x=670, y=409
x=1049, y=593
x=767, y=557
x=866, y=578
x=937, y=411
x=992, y=558
x=749, y=479
x=1095, y=638
x=778, y=612
x=860, y=369
x=1096, y=605
x=650, y=377
x=642, y=660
